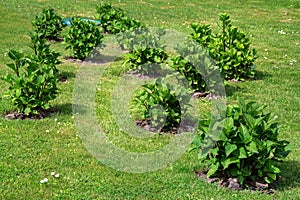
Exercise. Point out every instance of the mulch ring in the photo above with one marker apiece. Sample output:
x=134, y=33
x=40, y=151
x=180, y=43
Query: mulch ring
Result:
x=233, y=184
x=73, y=60
x=146, y=125
x=21, y=116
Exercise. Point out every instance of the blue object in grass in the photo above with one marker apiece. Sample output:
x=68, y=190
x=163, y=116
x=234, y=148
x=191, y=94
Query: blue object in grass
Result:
x=68, y=21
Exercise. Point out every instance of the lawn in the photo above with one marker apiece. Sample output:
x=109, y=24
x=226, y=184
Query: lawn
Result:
x=30, y=150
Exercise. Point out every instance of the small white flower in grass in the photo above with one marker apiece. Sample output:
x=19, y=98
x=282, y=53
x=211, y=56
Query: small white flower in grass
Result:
x=292, y=62
x=275, y=117
x=47, y=131
x=56, y=175
x=58, y=123
x=265, y=58
x=282, y=32
x=52, y=173
x=55, y=119
x=45, y=180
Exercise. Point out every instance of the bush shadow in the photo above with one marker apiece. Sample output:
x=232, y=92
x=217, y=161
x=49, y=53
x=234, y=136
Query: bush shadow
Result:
x=62, y=109
x=260, y=75
x=290, y=175
x=231, y=88
x=66, y=75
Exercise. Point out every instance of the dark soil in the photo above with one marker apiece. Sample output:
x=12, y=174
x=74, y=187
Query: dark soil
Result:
x=73, y=60
x=21, y=116
x=146, y=125
x=233, y=184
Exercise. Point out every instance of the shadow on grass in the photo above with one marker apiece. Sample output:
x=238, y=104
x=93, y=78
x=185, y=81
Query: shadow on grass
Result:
x=65, y=75
x=62, y=109
x=290, y=175
x=261, y=75
x=231, y=88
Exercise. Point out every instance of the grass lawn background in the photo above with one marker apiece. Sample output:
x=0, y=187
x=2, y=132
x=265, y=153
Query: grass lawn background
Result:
x=31, y=149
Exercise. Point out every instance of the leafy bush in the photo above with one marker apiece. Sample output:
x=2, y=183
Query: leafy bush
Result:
x=82, y=37
x=139, y=57
x=195, y=64
x=247, y=145
x=192, y=75
x=34, y=82
x=43, y=52
x=114, y=20
x=189, y=52
x=48, y=24
x=230, y=48
x=160, y=104
x=145, y=47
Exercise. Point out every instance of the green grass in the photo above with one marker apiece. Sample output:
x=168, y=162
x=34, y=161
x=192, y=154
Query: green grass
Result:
x=29, y=154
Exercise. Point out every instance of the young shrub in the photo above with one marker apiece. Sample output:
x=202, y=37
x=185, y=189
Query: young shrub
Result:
x=114, y=20
x=48, y=24
x=145, y=47
x=33, y=83
x=194, y=63
x=192, y=75
x=180, y=63
x=244, y=145
x=82, y=37
x=230, y=48
x=43, y=52
x=160, y=104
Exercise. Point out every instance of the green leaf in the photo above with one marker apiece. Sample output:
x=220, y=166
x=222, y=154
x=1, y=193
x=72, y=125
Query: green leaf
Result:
x=18, y=93
x=214, y=151
x=251, y=148
x=272, y=176
x=27, y=111
x=229, y=161
x=213, y=169
x=229, y=148
x=250, y=120
x=288, y=148
x=12, y=66
x=15, y=55
x=228, y=124
x=244, y=134
x=241, y=179
x=243, y=153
